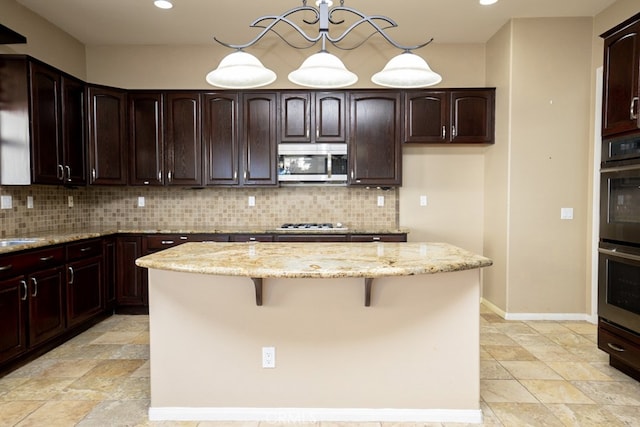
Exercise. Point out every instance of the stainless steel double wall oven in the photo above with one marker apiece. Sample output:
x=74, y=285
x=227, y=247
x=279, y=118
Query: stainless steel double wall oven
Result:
x=619, y=250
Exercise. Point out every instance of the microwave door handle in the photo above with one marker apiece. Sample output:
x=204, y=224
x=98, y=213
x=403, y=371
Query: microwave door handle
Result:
x=329, y=166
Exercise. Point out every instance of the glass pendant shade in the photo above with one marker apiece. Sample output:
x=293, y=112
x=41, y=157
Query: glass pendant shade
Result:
x=406, y=70
x=323, y=70
x=240, y=70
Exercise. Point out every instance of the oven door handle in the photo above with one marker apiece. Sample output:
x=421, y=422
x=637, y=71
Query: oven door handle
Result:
x=620, y=168
x=615, y=253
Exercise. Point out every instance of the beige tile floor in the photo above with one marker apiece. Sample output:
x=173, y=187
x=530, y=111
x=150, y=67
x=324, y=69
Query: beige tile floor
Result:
x=532, y=374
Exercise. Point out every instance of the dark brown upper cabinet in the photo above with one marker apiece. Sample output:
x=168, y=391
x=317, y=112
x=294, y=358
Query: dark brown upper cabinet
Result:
x=621, y=87
x=375, y=157
x=312, y=117
x=57, y=127
x=146, y=139
x=258, y=139
x=183, y=158
x=107, y=124
x=220, y=137
x=450, y=116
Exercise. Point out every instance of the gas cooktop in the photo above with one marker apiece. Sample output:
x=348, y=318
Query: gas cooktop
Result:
x=312, y=226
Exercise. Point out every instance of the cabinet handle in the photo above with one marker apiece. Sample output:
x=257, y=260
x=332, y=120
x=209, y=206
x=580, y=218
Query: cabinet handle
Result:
x=93, y=173
x=88, y=248
x=184, y=237
x=317, y=133
x=453, y=131
x=615, y=347
x=169, y=176
x=6, y=267
x=46, y=258
x=26, y=291
x=252, y=239
x=160, y=176
x=60, y=173
x=351, y=173
x=633, y=115
x=167, y=242
x=35, y=287
x=72, y=275
x=244, y=175
x=68, y=168
x=307, y=133
x=376, y=239
x=444, y=132
x=235, y=174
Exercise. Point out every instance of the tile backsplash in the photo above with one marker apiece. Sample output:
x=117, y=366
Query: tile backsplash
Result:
x=208, y=208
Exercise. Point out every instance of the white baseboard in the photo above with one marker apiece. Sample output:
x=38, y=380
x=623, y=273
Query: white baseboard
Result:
x=540, y=316
x=310, y=415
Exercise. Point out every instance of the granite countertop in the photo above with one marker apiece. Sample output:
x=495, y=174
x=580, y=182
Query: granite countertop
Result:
x=60, y=236
x=314, y=260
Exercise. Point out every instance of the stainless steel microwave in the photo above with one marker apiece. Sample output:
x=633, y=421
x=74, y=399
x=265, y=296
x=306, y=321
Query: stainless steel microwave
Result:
x=312, y=163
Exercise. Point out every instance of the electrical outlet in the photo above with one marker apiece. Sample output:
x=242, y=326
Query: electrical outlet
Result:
x=380, y=200
x=70, y=201
x=423, y=200
x=252, y=200
x=141, y=202
x=268, y=357
x=6, y=202
x=29, y=202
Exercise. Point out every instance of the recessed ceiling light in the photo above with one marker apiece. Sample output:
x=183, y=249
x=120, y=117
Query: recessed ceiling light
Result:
x=488, y=2
x=163, y=4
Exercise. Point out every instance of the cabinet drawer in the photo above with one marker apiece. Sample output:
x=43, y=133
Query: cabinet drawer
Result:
x=311, y=238
x=12, y=265
x=84, y=249
x=164, y=241
x=252, y=238
x=378, y=238
x=619, y=344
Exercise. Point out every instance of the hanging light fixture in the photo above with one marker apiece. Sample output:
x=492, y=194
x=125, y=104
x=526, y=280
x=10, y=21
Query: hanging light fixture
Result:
x=241, y=70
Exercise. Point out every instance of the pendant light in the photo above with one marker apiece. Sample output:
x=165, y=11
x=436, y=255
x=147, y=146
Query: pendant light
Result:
x=406, y=70
x=240, y=70
x=323, y=70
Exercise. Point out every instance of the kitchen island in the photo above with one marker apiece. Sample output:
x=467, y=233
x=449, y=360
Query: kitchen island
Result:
x=361, y=332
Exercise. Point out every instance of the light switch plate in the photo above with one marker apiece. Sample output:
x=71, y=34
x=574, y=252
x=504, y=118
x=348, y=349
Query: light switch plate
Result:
x=380, y=200
x=70, y=201
x=29, y=202
x=566, y=213
x=423, y=200
x=141, y=202
x=252, y=200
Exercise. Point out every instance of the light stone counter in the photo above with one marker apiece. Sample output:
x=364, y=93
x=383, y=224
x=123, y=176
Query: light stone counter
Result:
x=412, y=356
x=314, y=260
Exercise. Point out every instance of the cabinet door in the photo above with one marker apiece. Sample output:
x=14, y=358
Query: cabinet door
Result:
x=146, y=156
x=295, y=117
x=84, y=290
x=426, y=118
x=220, y=138
x=13, y=320
x=330, y=117
x=46, y=305
x=107, y=136
x=109, y=249
x=183, y=142
x=472, y=116
x=374, y=146
x=131, y=288
x=46, y=154
x=621, y=89
x=73, y=131
x=259, y=139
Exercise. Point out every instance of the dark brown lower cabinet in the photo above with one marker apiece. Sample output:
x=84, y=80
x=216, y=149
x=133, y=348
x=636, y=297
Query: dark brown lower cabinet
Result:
x=311, y=238
x=622, y=346
x=402, y=237
x=85, y=296
x=13, y=318
x=46, y=304
x=132, y=281
x=109, y=255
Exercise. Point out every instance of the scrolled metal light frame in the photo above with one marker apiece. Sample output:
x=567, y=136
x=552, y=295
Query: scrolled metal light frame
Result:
x=324, y=15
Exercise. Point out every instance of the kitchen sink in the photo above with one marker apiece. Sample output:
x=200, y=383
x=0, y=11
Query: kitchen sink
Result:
x=17, y=241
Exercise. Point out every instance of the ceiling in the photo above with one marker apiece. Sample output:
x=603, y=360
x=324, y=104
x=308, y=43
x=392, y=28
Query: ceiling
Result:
x=195, y=22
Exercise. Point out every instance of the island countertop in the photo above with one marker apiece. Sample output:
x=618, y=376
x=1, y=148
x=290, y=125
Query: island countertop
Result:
x=314, y=260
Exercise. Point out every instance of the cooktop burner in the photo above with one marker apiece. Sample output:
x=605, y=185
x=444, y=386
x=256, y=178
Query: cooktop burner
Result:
x=312, y=226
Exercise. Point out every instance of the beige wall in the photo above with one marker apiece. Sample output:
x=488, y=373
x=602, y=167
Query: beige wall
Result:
x=542, y=148
x=44, y=40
